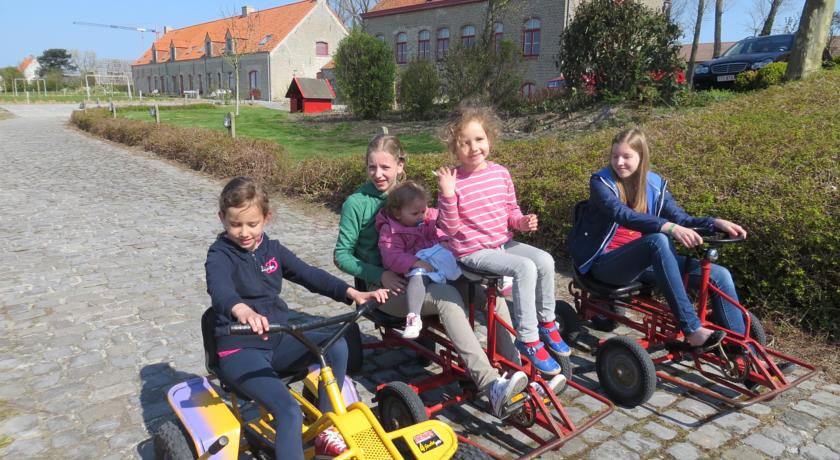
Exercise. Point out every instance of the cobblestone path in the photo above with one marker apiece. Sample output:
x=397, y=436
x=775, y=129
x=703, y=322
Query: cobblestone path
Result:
x=102, y=285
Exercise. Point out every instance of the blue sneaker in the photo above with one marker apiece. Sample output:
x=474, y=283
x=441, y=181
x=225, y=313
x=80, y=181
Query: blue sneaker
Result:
x=557, y=348
x=539, y=358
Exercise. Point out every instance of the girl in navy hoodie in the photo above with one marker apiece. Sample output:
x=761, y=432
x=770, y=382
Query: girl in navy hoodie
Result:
x=245, y=271
x=624, y=233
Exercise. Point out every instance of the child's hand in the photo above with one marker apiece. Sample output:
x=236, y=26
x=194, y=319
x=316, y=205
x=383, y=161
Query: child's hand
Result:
x=686, y=236
x=446, y=180
x=734, y=230
x=424, y=265
x=379, y=295
x=528, y=223
x=392, y=281
x=245, y=315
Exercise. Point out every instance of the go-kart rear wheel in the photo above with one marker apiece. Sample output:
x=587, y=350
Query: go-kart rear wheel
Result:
x=470, y=452
x=171, y=443
x=567, y=320
x=604, y=324
x=625, y=371
x=566, y=368
x=355, y=354
x=399, y=406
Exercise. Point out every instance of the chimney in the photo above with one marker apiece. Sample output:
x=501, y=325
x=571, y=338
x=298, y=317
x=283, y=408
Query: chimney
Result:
x=166, y=29
x=246, y=10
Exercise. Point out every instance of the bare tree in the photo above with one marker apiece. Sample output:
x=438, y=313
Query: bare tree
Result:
x=718, y=19
x=350, y=11
x=239, y=41
x=764, y=13
x=834, y=30
x=701, y=7
x=771, y=17
x=85, y=61
x=809, y=44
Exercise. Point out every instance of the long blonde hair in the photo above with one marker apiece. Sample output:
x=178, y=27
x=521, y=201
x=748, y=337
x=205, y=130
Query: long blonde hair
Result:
x=637, y=183
x=389, y=144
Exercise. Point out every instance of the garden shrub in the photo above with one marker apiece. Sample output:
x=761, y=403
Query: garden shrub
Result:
x=746, y=81
x=365, y=71
x=621, y=48
x=419, y=86
x=771, y=74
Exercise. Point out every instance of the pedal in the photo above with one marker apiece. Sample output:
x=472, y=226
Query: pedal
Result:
x=515, y=405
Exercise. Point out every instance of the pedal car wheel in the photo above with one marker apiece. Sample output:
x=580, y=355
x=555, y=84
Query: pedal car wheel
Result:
x=172, y=443
x=626, y=371
x=757, y=331
x=355, y=355
x=566, y=365
x=399, y=406
x=470, y=452
x=604, y=324
x=568, y=321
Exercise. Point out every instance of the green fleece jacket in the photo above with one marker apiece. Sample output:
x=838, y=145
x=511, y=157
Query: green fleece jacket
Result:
x=357, y=247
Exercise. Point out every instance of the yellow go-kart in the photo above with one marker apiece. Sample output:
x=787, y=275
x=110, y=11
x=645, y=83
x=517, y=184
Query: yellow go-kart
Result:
x=212, y=428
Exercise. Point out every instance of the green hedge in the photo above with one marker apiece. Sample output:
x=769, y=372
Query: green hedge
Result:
x=768, y=160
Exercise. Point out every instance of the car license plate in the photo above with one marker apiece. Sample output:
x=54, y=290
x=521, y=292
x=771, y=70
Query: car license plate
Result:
x=726, y=78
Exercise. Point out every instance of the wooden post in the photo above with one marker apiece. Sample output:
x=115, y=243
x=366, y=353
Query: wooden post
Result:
x=157, y=114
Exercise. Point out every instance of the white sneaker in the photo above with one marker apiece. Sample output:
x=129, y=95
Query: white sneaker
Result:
x=556, y=384
x=413, y=325
x=503, y=389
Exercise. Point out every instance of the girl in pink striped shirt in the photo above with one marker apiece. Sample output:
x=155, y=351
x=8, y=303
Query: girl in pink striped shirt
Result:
x=478, y=208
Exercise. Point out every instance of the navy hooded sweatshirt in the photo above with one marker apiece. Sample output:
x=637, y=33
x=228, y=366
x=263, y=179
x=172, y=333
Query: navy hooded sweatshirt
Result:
x=236, y=275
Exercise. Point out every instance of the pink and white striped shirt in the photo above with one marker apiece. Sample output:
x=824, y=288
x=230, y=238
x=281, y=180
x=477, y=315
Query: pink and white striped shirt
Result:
x=481, y=212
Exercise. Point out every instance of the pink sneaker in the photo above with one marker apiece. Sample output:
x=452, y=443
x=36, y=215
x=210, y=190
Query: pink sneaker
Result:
x=330, y=443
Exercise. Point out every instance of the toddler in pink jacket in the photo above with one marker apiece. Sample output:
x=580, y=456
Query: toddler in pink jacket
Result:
x=412, y=246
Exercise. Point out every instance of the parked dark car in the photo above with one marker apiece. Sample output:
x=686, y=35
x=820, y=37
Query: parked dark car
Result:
x=750, y=53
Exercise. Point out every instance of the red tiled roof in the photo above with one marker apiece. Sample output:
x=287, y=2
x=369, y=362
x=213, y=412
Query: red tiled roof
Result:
x=26, y=61
x=388, y=7
x=329, y=65
x=189, y=41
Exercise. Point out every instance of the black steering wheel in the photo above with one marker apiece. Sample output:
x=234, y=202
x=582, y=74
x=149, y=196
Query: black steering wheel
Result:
x=716, y=237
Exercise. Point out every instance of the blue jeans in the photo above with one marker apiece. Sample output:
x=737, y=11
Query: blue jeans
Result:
x=652, y=258
x=252, y=372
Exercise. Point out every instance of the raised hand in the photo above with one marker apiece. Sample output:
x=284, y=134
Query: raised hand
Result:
x=446, y=180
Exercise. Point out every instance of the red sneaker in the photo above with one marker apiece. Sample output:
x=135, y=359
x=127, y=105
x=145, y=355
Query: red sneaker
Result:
x=330, y=443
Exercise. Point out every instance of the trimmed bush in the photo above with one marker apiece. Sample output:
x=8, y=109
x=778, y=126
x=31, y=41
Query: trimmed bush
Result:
x=365, y=72
x=621, y=49
x=419, y=86
x=771, y=74
x=746, y=81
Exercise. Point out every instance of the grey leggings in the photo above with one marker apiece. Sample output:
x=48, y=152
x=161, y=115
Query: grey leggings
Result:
x=415, y=293
x=532, y=270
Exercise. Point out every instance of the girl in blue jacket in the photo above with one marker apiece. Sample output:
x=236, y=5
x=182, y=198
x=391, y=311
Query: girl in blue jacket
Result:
x=624, y=233
x=245, y=273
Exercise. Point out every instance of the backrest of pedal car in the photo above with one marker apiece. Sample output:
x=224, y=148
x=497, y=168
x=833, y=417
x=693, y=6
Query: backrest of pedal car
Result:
x=208, y=336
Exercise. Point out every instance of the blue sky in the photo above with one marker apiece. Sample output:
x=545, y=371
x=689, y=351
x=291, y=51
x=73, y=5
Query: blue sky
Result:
x=31, y=27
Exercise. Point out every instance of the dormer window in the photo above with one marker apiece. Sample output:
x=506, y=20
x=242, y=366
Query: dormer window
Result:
x=229, y=44
x=208, y=48
x=266, y=39
x=172, y=53
x=154, y=54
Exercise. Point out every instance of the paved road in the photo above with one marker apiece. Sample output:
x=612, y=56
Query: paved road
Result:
x=101, y=288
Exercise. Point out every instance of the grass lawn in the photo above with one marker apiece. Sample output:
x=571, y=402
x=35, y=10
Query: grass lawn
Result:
x=301, y=138
x=59, y=97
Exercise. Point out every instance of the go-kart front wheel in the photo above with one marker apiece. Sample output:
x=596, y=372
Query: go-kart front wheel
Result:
x=399, y=406
x=626, y=371
x=171, y=443
x=470, y=452
x=355, y=354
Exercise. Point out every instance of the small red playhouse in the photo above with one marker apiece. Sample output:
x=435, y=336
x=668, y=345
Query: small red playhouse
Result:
x=310, y=95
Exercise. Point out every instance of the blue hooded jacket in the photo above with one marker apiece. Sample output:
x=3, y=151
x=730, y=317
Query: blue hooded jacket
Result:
x=236, y=275
x=597, y=220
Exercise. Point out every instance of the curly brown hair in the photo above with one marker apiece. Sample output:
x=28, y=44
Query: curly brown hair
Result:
x=403, y=194
x=465, y=113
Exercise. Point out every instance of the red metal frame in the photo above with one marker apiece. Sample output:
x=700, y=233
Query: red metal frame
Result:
x=556, y=427
x=659, y=328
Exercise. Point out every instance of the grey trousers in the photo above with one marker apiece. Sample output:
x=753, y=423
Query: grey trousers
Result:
x=447, y=302
x=532, y=270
